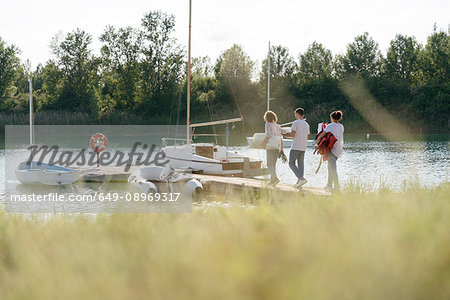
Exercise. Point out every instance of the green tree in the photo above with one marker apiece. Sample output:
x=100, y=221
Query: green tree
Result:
x=402, y=58
x=281, y=63
x=282, y=75
x=431, y=100
x=363, y=56
x=79, y=72
x=234, y=66
x=162, y=63
x=9, y=65
x=37, y=77
x=121, y=51
x=23, y=74
x=233, y=71
x=201, y=66
x=203, y=89
x=52, y=85
x=316, y=88
x=434, y=60
x=316, y=62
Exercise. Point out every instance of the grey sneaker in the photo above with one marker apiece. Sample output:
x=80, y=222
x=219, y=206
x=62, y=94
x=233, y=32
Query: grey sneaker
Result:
x=301, y=182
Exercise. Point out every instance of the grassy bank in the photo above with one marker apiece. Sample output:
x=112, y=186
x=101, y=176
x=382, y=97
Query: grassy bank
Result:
x=375, y=246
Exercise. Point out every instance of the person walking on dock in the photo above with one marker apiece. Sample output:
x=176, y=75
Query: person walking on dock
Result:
x=337, y=129
x=299, y=133
x=272, y=129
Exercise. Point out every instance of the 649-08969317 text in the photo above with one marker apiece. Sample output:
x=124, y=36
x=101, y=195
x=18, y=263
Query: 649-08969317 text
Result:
x=101, y=197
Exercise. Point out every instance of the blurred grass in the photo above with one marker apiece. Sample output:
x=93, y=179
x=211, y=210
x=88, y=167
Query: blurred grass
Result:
x=384, y=245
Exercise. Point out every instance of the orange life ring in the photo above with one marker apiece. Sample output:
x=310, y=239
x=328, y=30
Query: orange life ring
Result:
x=98, y=142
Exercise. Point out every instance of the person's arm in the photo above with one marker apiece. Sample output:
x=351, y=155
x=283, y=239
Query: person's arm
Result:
x=264, y=143
x=293, y=131
x=266, y=140
x=290, y=134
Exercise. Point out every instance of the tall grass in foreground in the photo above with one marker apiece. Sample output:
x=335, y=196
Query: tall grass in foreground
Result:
x=374, y=246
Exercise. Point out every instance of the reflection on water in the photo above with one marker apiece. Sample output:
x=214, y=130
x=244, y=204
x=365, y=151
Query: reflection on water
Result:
x=372, y=163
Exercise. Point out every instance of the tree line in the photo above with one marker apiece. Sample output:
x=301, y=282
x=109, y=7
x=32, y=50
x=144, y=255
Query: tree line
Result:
x=139, y=77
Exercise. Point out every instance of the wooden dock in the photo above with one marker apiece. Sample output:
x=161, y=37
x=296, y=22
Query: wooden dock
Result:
x=211, y=184
x=219, y=184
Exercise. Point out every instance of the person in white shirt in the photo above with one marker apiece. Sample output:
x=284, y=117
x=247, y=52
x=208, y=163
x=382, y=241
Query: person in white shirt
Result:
x=337, y=129
x=299, y=133
x=272, y=129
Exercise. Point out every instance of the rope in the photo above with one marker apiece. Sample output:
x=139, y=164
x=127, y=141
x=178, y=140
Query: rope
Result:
x=171, y=113
x=211, y=117
x=237, y=105
x=235, y=100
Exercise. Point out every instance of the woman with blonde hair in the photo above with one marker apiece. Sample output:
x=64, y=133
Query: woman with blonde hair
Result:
x=272, y=129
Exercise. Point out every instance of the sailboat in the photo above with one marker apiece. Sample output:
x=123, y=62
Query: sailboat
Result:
x=33, y=172
x=287, y=142
x=208, y=158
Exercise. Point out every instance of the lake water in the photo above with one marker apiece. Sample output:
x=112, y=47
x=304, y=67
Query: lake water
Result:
x=373, y=163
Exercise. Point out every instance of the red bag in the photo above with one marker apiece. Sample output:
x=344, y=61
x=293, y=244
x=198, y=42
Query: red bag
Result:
x=325, y=144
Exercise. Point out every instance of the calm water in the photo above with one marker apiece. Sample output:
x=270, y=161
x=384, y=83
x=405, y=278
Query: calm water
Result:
x=373, y=163
x=376, y=162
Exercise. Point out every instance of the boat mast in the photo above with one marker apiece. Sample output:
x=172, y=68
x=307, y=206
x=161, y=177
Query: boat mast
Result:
x=189, y=79
x=31, y=110
x=268, y=79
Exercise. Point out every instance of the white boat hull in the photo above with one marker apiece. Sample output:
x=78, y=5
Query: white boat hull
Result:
x=217, y=162
x=152, y=179
x=141, y=184
x=46, y=174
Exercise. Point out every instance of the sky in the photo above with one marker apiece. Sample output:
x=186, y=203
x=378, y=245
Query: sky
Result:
x=216, y=25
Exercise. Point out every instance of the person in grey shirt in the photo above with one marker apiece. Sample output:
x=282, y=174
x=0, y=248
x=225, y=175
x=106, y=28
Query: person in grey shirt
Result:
x=299, y=133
